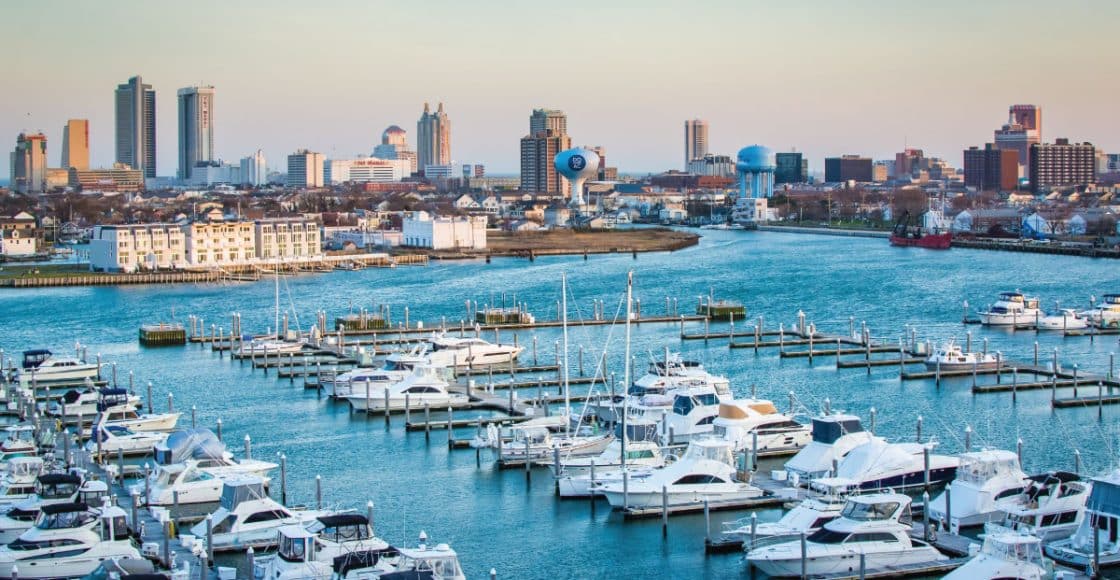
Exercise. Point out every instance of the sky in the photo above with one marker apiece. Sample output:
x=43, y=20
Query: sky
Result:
x=819, y=76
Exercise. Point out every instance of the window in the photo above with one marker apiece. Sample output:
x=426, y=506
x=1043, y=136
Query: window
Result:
x=266, y=516
x=1060, y=518
x=1009, y=492
x=826, y=536
x=873, y=537
x=698, y=479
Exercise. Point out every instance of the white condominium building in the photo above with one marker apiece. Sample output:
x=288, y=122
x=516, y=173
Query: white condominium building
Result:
x=128, y=248
x=287, y=239
x=217, y=244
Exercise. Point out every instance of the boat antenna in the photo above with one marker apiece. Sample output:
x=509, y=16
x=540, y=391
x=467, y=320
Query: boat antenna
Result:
x=564, y=324
x=626, y=369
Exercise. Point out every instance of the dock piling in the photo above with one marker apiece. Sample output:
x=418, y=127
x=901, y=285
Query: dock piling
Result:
x=318, y=492
x=194, y=414
x=664, y=511
x=248, y=447
x=283, y=479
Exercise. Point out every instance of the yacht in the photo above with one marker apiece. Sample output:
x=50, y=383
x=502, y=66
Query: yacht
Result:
x=1064, y=319
x=1011, y=308
x=407, y=360
x=652, y=396
x=437, y=563
x=19, y=484
x=307, y=552
x=881, y=465
x=1049, y=508
x=875, y=526
x=807, y=517
x=833, y=436
x=1102, y=518
x=450, y=351
x=68, y=540
x=43, y=367
x=1107, y=313
x=193, y=463
x=88, y=403
x=983, y=478
x=425, y=385
x=113, y=439
x=951, y=357
x=247, y=517
x=266, y=347
x=532, y=441
x=746, y=423
x=51, y=488
x=1006, y=554
x=18, y=442
x=575, y=476
x=358, y=381
x=704, y=472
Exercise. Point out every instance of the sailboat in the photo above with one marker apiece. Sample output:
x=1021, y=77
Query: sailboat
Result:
x=273, y=345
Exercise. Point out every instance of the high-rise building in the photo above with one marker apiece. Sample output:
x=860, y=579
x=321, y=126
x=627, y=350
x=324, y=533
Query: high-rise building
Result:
x=196, y=128
x=75, y=144
x=542, y=120
x=394, y=146
x=791, y=167
x=1023, y=129
x=695, y=140
x=1029, y=116
x=254, y=170
x=1061, y=164
x=847, y=168
x=136, y=126
x=548, y=135
x=909, y=162
x=433, y=138
x=305, y=169
x=991, y=168
x=29, y=164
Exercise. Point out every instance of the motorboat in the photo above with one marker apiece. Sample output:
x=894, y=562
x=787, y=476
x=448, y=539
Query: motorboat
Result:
x=424, y=386
x=703, y=473
x=67, y=541
x=109, y=440
x=757, y=425
x=51, y=488
x=873, y=529
x=451, y=351
x=576, y=479
x=1063, y=320
x=1106, y=314
x=41, y=367
x=806, y=517
x=1098, y=532
x=534, y=441
x=366, y=564
x=307, y=552
x=1011, y=309
x=88, y=403
x=19, y=441
x=19, y=483
x=117, y=407
x=652, y=396
x=833, y=436
x=266, y=347
x=983, y=478
x=248, y=518
x=135, y=569
x=951, y=357
x=691, y=415
x=1050, y=508
x=437, y=562
x=1006, y=554
x=358, y=381
x=879, y=465
x=408, y=359
x=194, y=463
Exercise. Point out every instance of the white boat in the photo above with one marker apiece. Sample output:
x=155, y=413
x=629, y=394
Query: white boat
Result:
x=652, y=396
x=1050, y=508
x=19, y=441
x=110, y=440
x=308, y=552
x=19, y=483
x=575, y=479
x=194, y=463
x=269, y=347
x=983, y=478
x=1012, y=308
x=875, y=527
x=1063, y=320
x=89, y=402
x=1006, y=554
x=951, y=357
x=51, y=488
x=436, y=563
x=69, y=540
x=704, y=472
x=248, y=518
x=41, y=367
x=425, y=385
x=358, y=381
x=451, y=351
x=1102, y=520
x=833, y=436
x=877, y=465
x=807, y=517
x=756, y=424
x=1107, y=313
x=534, y=442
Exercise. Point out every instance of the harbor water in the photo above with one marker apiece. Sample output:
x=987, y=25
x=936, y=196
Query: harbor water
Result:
x=495, y=519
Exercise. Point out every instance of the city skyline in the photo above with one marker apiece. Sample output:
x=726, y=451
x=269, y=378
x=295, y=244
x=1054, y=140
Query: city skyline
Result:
x=849, y=89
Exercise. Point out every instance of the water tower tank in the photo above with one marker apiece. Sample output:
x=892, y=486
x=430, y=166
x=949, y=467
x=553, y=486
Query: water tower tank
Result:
x=756, y=159
x=577, y=165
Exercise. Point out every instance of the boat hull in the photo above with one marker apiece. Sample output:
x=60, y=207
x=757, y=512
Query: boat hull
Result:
x=786, y=561
x=639, y=496
x=929, y=241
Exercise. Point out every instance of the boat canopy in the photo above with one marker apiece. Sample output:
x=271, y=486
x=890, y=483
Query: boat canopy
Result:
x=61, y=508
x=1014, y=547
x=238, y=489
x=831, y=428
x=1105, y=497
x=360, y=560
x=35, y=357
x=59, y=478
x=189, y=444
x=978, y=467
x=874, y=457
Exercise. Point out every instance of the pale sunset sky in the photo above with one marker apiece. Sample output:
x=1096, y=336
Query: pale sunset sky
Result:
x=824, y=77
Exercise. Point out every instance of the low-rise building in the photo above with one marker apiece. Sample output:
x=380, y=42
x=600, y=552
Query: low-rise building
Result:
x=422, y=230
x=120, y=177
x=19, y=235
x=287, y=238
x=129, y=248
x=219, y=243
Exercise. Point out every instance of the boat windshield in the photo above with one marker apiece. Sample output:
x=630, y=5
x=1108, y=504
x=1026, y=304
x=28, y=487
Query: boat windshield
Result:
x=827, y=536
x=292, y=549
x=979, y=470
x=64, y=520
x=1014, y=548
x=440, y=566
x=861, y=511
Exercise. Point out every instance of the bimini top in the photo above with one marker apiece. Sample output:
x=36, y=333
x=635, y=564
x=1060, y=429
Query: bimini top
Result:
x=829, y=428
x=57, y=478
x=342, y=520
x=61, y=508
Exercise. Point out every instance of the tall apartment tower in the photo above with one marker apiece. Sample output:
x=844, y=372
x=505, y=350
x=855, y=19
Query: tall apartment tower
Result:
x=433, y=138
x=542, y=120
x=1023, y=129
x=695, y=140
x=75, y=144
x=29, y=164
x=136, y=126
x=1061, y=164
x=196, y=128
x=548, y=135
x=305, y=169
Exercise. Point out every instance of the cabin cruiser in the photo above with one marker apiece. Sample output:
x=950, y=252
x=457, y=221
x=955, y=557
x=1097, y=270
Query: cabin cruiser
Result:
x=704, y=472
x=653, y=395
x=881, y=465
x=358, y=381
x=117, y=407
x=1049, y=508
x=1012, y=308
x=1064, y=319
x=437, y=563
x=89, y=402
x=308, y=551
x=951, y=357
x=114, y=439
x=247, y=517
x=424, y=386
x=1101, y=518
x=51, y=488
x=1107, y=313
x=194, y=463
x=68, y=540
x=807, y=517
x=407, y=360
x=983, y=478
x=19, y=484
x=833, y=436
x=535, y=442
x=450, y=351
x=756, y=424
x=266, y=347
x=575, y=478
x=1006, y=554
x=18, y=442
x=875, y=526
x=43, y=367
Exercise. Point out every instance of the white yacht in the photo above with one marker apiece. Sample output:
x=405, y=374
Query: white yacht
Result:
x=437, y=563
x=358, y=381
x=534, y=441
x=704, y=472
x=833, y=436
x=450, y=351
x=1107, y=313
x=652, y=395
x=19, y=441
x=51, y=488
x=575, y=477
x=424, y=385
x=1006, y=554
x=1064, y=319
x=68, y=540
x=41, y=367
x=113, y=439
x=808, y=516
x=1101, y=518
x=89, y=402
x=308, y=552
x=269, y=347
x=951, y=357
x=1050, y=508
x=19, y=483
x=747, y=422
x=983, y=478
x=247, y=517
x=194, y=463
x=876, y=526
x=879, y=465
x=1012, y=308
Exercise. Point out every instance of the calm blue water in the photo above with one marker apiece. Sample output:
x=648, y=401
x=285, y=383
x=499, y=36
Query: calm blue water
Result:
x=494, y=518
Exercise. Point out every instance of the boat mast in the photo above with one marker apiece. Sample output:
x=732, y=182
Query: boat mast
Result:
x=276, y=307
x=564, y=324
x=626, y=369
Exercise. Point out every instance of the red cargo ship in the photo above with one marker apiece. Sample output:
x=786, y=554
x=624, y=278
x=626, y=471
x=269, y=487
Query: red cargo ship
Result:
x=905, y=234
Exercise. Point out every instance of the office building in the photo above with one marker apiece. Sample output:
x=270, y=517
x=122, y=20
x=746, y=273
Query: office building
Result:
x=305, y=169
x=1022, y=130
x=254, y=170
x=909, y=163
x=1061, y=164
x=718, y=165
x=548, y=135
x=75, y=144
x=433, y=138
x=394, y=145
x=423, y=230
x=542, y=120
x=121, y=177
x=847, y=168
x=29, y=164
x=791, y=167
x=196, y=128
x=366, y=170
x=991, y=168
x=695, y=140
x=136, y=126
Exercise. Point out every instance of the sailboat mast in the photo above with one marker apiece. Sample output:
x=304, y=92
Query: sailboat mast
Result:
x=276, y=305
x=626, y=369
x=564, y=324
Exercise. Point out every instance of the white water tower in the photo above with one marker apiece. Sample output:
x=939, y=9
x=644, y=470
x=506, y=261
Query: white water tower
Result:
x=577, y=165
